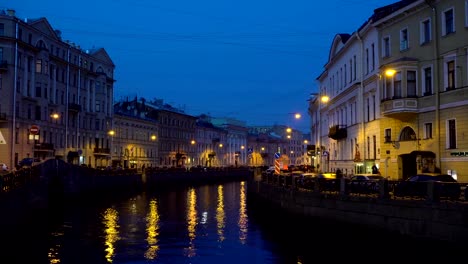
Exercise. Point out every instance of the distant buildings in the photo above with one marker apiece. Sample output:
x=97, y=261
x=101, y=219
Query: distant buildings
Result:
x=397, y=89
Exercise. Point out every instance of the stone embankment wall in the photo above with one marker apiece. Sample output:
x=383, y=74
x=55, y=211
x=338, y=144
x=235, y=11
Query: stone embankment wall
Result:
x=444, y=220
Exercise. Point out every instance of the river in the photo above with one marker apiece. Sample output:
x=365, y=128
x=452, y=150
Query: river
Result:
x=201, y=224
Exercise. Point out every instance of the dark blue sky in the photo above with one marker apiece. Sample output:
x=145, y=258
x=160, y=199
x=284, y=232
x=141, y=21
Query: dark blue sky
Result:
x=253, y=60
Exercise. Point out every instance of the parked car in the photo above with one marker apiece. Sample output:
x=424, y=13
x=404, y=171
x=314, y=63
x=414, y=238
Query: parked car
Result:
x=366, y=177
x=365, y=183
x=27, y=162
x=416, y=185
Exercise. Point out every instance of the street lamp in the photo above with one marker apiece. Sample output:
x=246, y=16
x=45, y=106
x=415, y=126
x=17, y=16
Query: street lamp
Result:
x=153, y=139
x=323, y=99
x=112, y=134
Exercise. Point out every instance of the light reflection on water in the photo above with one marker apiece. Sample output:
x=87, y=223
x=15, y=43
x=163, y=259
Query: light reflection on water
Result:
x=152, y=229
x=111, y=229
x=206, y=224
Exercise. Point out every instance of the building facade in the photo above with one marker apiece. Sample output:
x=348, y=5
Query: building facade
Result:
x=56, y=97
x=346, y=124
x=424, y=97
x=405, y=109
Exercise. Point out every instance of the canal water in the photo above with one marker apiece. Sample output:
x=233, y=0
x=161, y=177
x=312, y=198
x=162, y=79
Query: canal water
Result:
x=201, y=224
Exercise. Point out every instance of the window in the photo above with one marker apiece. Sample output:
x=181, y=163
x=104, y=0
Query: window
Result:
x=373, y=106
x=388, y=87
x=368, y=108
x=98, y=106
x=386, y=47
x=404, y=39
x=427, y=130
x=397, y=85
x=1, y=54
x=388, y=135
x=39, y=66
x=411, y=83
x=2, y=29
x=38, y=89
x=355, y=67
x=450, y=66
x=374, y=144
x=345, y=75
x=451, y=134
x=427, y=81
x=448, y=25
x=373, y=56
x=367, y=61
x=466, y=13
x=38, y=112
x=425, y=31
x=1, y=81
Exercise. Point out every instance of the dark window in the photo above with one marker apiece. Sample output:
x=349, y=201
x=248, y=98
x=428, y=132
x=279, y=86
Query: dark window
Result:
x=426, y=31
x=428, y=81
x=411, y=83
x=450, y=75
x=452, y=134
x=449, y=26
x=38, y=89
x=38, y=112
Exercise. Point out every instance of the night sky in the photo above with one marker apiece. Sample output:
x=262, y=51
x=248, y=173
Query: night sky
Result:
x=256, y=61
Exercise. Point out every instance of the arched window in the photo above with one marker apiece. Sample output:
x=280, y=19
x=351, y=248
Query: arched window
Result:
x=407, y=134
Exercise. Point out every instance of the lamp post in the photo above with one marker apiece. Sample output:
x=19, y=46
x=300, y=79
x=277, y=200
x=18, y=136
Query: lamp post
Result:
x=111, y=134
x=194, y=153
x=153, y=140
x=323, y=99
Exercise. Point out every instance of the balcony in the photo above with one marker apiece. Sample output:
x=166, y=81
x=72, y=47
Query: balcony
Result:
x=44, y=147
x=72, y=107
x=3, y=66
x=399, y=105
x=337, y=132
x=101, y=152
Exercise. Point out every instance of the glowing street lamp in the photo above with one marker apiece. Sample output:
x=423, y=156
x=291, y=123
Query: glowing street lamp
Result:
x=390, y=72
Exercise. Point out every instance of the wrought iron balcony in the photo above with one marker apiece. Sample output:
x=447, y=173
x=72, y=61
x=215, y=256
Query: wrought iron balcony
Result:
x=74, y=107
x=44, y=147
x=338, y=132
x=102, y=151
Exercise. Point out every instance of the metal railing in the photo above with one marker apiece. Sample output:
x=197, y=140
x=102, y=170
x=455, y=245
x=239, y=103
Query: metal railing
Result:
x=384, y=189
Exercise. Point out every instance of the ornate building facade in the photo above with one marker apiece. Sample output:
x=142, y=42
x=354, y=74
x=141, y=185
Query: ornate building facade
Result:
x=56, y=98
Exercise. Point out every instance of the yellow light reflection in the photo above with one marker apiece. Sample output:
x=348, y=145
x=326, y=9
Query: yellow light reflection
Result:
x=191, y=221
x=152, y=229
x=53, y=254
x=220, y=214
x=243, y=219
x=110, y=221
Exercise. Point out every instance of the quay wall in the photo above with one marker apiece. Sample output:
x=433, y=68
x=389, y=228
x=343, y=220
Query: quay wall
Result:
x=444, y=220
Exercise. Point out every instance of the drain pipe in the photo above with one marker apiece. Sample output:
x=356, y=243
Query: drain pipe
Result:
x=15, y=87
x=361, y=101
x=436, y=82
